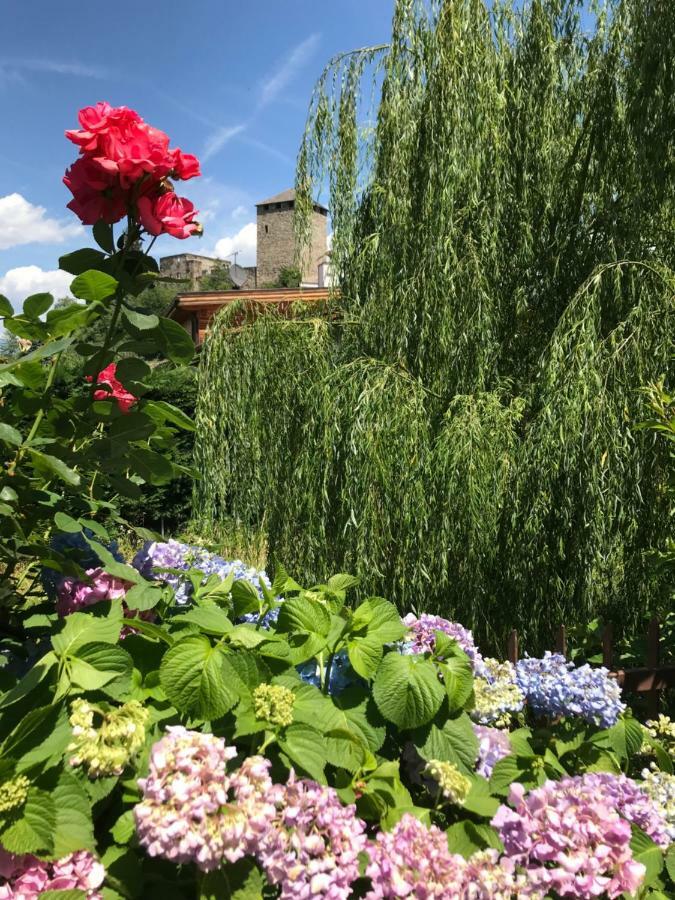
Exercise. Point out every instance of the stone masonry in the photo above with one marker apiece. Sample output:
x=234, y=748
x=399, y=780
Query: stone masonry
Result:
x=276, y=239
x=188, y=266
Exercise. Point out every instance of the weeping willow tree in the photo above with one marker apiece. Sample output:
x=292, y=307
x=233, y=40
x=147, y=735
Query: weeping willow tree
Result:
x=463, y=435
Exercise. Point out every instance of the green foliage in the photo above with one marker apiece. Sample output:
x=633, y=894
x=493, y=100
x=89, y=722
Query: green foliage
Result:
x=463, y=434
x=289, y=277
x=218, y=279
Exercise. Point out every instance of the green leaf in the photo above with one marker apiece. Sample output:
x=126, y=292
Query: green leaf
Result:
x=303, y=746
x=407, y=690
x=143, y=596
x=72, y=894
x=346, y=750
x=74, y=826
x=154, y=468
x=94, y=665
x=66, y=523
x=198, y=678
x=161, y=411
x=6, y=308
x=458, y=679
x=93, y=286
x=41, y=352
x=132, y=370
x=51, y=465
x=242, y=880
x=648, y=853
x=10, y=435
x=175, y=342
x=302, y=615
x=81, y=628
x=35, y=727
x=505, y=772
x=103, y=235
x=211, y=619
x=139, y=321
x=365, y=655
x=123, y=829
x=670, y=862
x=33, y=830
x=379, y=618
x=467, y=838
x=67, y=319
x=479, y=799
x=626, y=737
x=80, y=261
x=37, y=304
x=111, y=565
x=451, y=740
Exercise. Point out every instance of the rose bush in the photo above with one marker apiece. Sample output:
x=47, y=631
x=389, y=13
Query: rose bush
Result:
x=181, y=725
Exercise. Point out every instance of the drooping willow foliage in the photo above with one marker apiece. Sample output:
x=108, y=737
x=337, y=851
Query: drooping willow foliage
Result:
x=504, y=243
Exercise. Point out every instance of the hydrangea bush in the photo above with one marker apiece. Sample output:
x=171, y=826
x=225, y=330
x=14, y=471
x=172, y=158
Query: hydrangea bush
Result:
x=182, y=725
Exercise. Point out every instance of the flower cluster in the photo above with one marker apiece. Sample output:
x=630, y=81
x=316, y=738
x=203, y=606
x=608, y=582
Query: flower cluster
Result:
x=341, y=674
x=554, y=687
x=274, y=704
x=106, y=746
x=498, y=697
x=663, y=731
x=493, y=745
x=412, y=860
x=26, y=877
x=488, y=876
x=453, y=785
x=660, y=788
x=630, y=801
x=173, y=554
x=13, y=793
x=74, y=545
x=193, y=810
x=311, y=848
x=113, y=389
x=126, y=164
x=422, y=637
x=569, y=839
x=75, y=595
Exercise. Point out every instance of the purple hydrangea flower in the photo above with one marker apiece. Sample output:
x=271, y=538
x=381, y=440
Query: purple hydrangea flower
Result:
x=569, y=838
x=554, y=687
x=493, y=745
x=423, y=638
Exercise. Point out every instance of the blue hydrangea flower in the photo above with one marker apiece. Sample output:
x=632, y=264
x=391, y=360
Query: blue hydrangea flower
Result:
x=554, y=687
x=341, y=674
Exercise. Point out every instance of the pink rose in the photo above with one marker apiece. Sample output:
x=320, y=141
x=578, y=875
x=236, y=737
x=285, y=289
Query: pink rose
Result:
x=168, y=214
x=96, y=192
x=97, y=122
x=114, y=389
x=185, y=165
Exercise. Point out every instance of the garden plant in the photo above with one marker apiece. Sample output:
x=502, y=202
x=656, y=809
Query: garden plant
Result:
x=179, y=725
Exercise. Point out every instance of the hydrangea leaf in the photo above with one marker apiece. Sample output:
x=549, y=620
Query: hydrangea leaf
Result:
x=407, y=690
x=648, y=853
x=198, y=678
x=452, y=740
x=32, y=830
x=74, y=827
x=96, y=664
x=242, y=880
x=467, y=838
x=303, y=746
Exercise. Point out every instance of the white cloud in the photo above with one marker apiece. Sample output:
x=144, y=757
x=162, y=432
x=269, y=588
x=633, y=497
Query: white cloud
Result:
x=239, y=211
x=274, y=85
x=216, y=141
x=244, y=241
x=19, y=283
x=23, y=223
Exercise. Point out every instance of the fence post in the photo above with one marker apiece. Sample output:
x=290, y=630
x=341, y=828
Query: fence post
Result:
x=607, y=646
x=653, y=659
x=561, y=641
x=512, y=647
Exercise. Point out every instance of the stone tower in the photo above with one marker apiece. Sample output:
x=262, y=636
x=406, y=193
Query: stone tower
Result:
x=276, y=239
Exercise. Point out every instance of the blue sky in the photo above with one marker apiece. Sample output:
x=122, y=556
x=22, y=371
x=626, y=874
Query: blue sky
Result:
x=227, y=81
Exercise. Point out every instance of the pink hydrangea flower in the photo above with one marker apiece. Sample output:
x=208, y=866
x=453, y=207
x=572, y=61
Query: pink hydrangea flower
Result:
x=568, y=837
x=413, y=861
x=312, y=845
x=26, y=877
x=75, y=595
x=193, y=810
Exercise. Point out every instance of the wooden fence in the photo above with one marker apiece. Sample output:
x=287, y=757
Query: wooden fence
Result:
x=650, y=679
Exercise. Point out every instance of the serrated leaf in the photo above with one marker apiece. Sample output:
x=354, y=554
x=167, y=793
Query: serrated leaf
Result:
x=51, y=465
x=211, y=619
x=198, y=678
x=450, y=740
x=303, y=746
x=33, y=830
x=236, y=881
x=407, y=690
x=504, y=773
x=144, y=596
x=458, y=679
x=96, y=664
x=74, y=828
x=467, y=838
x=85, y=628
x=626, y=737
x=648, y=853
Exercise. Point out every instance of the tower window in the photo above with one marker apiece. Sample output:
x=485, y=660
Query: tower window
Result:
x=266, y=229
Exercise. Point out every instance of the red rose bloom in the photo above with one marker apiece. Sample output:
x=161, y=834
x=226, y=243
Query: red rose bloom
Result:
x=114, y=390
x=123, y=160
x=168, y=214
